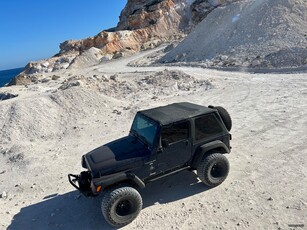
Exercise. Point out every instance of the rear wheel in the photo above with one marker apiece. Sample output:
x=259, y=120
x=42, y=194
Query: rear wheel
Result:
x=120, y=206
x=213, y=169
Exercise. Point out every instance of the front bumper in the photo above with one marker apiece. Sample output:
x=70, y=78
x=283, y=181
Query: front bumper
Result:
x=77, y=181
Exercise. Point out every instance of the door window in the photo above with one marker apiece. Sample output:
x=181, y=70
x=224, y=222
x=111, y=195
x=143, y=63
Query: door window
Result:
x=176, y=132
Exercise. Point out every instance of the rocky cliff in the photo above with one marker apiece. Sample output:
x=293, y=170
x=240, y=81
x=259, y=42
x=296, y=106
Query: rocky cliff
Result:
x=143, y=24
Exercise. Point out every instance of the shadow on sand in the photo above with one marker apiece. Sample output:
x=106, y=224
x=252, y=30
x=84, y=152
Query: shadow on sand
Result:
x=73, y=211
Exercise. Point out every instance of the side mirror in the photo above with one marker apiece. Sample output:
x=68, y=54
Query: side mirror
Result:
x=165, y=143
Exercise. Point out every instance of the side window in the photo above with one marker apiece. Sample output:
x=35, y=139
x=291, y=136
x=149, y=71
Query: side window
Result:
x=207, y=126
x=176, y=132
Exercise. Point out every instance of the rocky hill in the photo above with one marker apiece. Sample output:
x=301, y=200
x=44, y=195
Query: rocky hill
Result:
x=143, y=24
x=253, y=34
x=228, y=33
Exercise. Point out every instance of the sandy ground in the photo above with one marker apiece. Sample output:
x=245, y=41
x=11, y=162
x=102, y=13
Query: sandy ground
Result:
x=51, y=124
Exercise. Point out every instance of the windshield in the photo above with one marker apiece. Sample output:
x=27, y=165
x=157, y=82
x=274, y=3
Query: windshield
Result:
x=144, y=128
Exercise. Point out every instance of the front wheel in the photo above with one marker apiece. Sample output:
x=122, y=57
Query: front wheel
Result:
x=213, y=169
x=121, y=206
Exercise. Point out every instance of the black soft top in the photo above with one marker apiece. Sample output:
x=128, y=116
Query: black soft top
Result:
x=175, y=112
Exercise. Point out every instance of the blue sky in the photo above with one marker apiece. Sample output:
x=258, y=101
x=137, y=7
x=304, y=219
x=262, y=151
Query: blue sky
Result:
x=32, y=30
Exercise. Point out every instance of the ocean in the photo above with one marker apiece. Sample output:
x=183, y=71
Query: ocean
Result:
x=7, y=75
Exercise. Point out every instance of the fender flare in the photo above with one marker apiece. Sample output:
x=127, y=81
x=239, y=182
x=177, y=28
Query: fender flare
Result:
x=105, y=181
x=217, y=145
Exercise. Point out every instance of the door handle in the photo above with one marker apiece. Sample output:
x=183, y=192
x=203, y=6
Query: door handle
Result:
x=150, y=162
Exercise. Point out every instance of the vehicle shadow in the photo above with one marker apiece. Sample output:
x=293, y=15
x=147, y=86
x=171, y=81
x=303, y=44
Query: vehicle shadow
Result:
x=73, y=211
x=172, y=188
x=68, y=211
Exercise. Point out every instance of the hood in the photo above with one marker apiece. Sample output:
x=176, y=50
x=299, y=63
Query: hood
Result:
x=122, y=154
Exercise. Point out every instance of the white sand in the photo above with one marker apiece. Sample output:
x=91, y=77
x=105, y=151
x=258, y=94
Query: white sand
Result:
x=46, y=130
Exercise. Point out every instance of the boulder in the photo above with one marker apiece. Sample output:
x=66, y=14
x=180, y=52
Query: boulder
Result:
x=21, y=79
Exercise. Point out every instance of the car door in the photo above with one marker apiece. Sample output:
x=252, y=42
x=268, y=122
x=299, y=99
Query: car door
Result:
x=176, y=146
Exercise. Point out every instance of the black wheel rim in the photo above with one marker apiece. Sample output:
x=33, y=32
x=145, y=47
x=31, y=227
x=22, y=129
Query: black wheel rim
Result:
x=124, y=208
x=218, y=170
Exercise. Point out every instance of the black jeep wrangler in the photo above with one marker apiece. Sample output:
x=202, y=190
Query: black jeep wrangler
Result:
x=162, y=141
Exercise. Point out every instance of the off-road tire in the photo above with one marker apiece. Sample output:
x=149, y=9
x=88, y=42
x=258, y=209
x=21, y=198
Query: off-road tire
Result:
x=120, y=206
x=213, y=169
x=225, y=117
